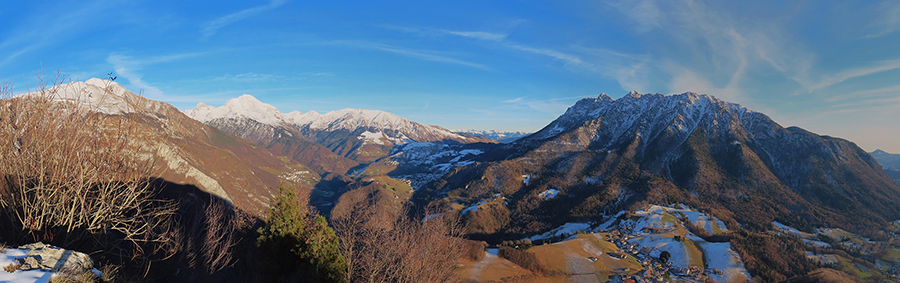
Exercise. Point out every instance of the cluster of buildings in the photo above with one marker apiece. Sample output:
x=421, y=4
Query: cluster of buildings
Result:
x=655, y=271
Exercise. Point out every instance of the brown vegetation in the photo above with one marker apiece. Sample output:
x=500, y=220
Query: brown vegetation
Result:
x=380, y=246
x=522, y=258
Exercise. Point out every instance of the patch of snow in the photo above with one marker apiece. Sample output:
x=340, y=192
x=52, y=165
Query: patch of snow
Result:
x=432, y=216
x=565, y=229
x=526, y=178
x=609, y=222
x=817, y=244
x=98, y=95
x=11, y=256
x=593, y=180
x=824, y=259
x=677, y=251
x=722, y=257
x=473, y=208
x=471, y=151
x=548, y=194
x=373, y=138
x=789, y=230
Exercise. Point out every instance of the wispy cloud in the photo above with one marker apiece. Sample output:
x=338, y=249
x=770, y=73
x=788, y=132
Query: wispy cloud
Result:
x=129, y=68
x=568, y=58
x=210, y=28
x=855, y=72
x=248, y=77
x=418, y=54
x=705, y=46
x=482, y=35
x=51, y=27
x=886, y=19
x=477, y=34
x=890, y=90
x=516, y=100
x=552, y=106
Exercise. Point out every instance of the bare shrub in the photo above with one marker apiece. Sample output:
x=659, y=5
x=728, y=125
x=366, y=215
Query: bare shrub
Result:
x=398, y=249
x=475, y=249
x=72, y=175
x=220, y=230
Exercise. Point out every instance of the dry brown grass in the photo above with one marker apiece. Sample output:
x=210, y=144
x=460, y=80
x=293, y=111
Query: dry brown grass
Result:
x=12, y=267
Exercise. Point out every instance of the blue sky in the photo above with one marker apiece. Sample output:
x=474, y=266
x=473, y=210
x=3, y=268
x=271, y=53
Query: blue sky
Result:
x=832, y=67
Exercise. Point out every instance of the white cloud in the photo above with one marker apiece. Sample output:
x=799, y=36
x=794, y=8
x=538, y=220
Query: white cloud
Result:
x=482, y=35
x=422, y=55
x=516, y=100
x=210, y=28
x=248, y=77
x=568, y=58
x=855, y=72
x=890, y=90
x=706, y=46
x=645, y=13
x=477, y=34
x=551, y=106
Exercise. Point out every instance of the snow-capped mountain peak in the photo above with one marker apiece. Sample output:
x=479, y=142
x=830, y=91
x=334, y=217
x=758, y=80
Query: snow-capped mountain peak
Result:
x=99, y=95
x=244, y=106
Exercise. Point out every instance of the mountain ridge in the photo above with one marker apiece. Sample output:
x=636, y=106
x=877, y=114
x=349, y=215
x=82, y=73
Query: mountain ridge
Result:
x=357, y=134
x=697, y=148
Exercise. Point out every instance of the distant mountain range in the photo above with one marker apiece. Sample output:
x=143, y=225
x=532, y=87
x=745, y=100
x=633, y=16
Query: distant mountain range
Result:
x=358, y=134
x=504, y=137
x=890, y=162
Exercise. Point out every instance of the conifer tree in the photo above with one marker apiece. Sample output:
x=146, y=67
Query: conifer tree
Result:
x=298, y=235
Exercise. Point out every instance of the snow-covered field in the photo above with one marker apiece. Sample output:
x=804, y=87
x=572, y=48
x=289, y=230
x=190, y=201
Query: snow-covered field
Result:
x=664, y=223
x=722, y=257
x=8, y=257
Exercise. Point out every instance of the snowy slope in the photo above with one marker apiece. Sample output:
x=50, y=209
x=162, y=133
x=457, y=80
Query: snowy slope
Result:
x=244, y=106
x=100, y=96
x=377, y=127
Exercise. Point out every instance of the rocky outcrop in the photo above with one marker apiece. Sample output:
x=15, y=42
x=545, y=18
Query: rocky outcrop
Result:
x=54, y=259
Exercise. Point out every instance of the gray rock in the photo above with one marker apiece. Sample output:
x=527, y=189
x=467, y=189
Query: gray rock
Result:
x=54, y=259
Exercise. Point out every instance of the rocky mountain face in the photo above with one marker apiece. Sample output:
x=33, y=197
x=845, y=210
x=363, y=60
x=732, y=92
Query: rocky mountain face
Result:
x=186, y=151
x=366, y=135
x=604, y=154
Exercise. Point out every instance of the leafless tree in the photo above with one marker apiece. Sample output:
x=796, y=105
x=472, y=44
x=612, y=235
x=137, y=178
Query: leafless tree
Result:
x=392, y=247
